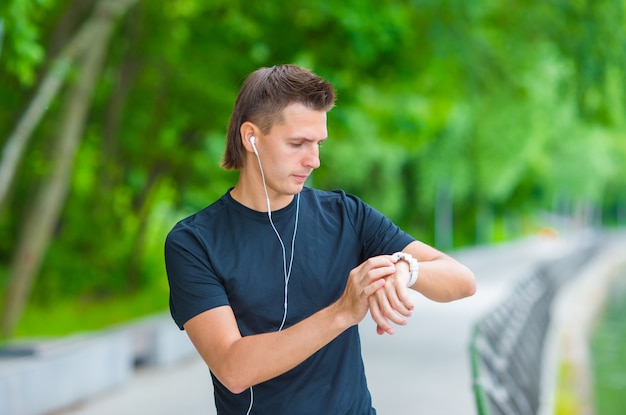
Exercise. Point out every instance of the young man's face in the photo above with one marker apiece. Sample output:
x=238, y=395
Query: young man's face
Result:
x=290, y=152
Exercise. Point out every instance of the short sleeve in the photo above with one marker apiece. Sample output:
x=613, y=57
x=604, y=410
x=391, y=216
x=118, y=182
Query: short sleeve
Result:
x=194, y=286
x=378, y=234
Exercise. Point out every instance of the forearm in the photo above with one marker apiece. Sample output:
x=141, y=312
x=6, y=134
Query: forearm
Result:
x=257, y=358
x=240, y=362
x=441, y=278
x=444, y=280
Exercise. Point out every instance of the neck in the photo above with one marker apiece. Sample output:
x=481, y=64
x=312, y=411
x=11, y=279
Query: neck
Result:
x=249, y=192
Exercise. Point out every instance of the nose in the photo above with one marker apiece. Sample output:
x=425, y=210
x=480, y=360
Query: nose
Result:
x=313, y=157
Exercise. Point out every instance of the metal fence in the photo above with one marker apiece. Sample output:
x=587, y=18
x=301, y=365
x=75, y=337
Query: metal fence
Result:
x=507, y=345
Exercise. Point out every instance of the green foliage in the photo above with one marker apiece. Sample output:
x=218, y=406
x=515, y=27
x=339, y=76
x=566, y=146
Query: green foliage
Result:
x=84, y=313
x=609, y=355
x=24, y=51
x=501, y=109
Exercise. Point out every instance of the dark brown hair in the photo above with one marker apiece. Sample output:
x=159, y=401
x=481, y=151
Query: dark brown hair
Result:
x=263, y=97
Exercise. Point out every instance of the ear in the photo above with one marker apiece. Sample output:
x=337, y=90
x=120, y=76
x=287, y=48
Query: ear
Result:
x=246, y=131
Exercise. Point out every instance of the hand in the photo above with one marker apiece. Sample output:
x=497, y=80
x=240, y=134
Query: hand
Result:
x=392, y=303
x=364, y=281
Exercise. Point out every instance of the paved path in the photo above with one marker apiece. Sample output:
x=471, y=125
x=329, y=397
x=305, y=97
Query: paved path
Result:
x=423, y=369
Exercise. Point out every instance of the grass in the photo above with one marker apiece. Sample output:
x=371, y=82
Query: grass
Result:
x=608, y=348
x=608, y=355
x=81, y=316
x=567, y=400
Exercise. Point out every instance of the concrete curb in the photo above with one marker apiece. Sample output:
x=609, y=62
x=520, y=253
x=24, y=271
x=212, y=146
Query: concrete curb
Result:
x=576, y=311
x=49, y=375
x=60, y=373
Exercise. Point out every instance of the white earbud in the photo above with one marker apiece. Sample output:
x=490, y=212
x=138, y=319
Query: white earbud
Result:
x=267, y=198
x=253, y=142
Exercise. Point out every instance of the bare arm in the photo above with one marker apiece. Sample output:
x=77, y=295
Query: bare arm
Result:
x=240, y=362
x=441, y=278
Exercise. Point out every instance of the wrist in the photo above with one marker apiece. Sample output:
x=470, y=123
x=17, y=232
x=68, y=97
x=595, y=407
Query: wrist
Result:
x=413, y=266
x=340, y=316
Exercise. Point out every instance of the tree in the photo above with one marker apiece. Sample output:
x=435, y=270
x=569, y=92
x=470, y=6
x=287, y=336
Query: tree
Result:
x=39, y=224
x=452, y=118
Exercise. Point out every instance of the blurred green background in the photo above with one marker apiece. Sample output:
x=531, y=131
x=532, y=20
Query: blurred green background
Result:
x=466, y=122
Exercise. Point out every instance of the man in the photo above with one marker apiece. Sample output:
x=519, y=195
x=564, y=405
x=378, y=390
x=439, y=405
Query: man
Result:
x=271, y=280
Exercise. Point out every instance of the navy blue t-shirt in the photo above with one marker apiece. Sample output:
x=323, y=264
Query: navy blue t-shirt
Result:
x=228, y=254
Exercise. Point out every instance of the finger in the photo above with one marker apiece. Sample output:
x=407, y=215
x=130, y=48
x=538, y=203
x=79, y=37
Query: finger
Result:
x=374, y=287
x=405, y=298
x=377, y=273
x=382, y=325
x=376, y=262
x=395, y=295
x=386, y=310
x=390, y=311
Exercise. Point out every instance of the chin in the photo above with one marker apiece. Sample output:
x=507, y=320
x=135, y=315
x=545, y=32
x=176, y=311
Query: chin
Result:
x=294, y=187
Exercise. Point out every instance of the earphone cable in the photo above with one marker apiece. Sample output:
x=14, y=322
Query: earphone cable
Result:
x=286, y=272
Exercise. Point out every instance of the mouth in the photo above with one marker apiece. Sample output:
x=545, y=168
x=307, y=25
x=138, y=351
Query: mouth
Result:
x=301, y=178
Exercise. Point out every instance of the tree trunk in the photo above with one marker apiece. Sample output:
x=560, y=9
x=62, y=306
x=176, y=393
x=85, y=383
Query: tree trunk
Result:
x=145, y=203
x=39, y=224
x=105, y=14
x=444, y=217
x=48, y=89
x=1, y=34
x=76, y=12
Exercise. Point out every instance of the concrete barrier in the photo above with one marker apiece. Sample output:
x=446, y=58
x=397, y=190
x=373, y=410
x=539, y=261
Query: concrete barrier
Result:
x=62, y=373
x=44, y=376
x=157, y=341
